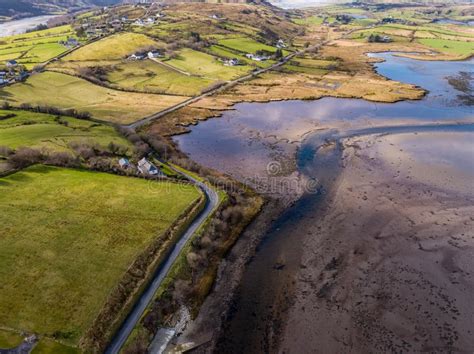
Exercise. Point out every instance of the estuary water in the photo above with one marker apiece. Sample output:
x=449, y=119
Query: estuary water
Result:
x=253, y=133
x=436, y=133
x=21, y=26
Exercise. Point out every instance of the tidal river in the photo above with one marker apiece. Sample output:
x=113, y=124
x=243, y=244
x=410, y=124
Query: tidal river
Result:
x=21, y=26
x=380, y=256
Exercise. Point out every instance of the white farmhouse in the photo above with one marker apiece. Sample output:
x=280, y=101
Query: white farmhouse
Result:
x=147, y=168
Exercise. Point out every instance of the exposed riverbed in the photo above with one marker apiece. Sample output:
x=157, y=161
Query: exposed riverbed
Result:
x=376, y=257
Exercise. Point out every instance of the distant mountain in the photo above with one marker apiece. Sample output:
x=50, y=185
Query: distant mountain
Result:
x=12, y=9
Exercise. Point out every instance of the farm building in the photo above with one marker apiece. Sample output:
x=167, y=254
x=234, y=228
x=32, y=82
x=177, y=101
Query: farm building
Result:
x=137, y=56
x=232, y=62
x=11, y=63
x=154, y=54
x=146, y=167
x=124, y=163
x=281, y=44
x=257, y=57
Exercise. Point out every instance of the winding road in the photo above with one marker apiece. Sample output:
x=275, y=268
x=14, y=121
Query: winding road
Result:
x=132, y=319
x=226, y=86
x=212, y=201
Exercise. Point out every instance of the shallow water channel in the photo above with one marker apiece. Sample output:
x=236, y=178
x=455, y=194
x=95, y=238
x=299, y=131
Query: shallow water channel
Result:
x=245, y=140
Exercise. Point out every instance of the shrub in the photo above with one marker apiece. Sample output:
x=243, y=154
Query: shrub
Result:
x=63, y=159
x=5, y=151
x=25, y=156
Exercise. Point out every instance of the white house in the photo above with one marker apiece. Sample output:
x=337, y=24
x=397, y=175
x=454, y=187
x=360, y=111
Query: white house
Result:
x=124, y=163
x=146, y=167
x=154, y=54
x=232, y=62
x=11, y=63
x=136, y=56
x=281, y=44
x=256, y=57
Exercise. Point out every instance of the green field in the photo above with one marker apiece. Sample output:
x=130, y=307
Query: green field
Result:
x=9, y=339
x=47, y=346
x=34, y=48
x=53, y=133
x=245, y=45
x=150, y=76
x=64, y=91
x=69, y=236
x=117, y=46
x=449, y=47
x=312, y=20
x=205, y=65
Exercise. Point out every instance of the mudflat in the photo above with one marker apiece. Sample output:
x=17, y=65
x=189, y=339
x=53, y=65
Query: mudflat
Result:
x=388, y=266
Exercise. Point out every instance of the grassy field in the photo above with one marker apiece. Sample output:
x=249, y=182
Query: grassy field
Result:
x=444, y=40
x=34, y=48
x=69, y=236
x=309, y=65
x=47, y=346
x=53, y=133
x=312, y=20
x=117, y=46
x=449, y=47
x=64, y=91
x=150, y=76
x=205, y=65
x=245, y=45
x=9, y=339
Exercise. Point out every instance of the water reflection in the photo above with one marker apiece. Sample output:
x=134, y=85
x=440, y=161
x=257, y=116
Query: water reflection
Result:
x=253, y=133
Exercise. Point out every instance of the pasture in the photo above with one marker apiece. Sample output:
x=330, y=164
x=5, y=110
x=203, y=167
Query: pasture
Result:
x=206, y=66
x=245, y=45
x=31, y=49
x=452, y=40
x=68, y=236
x=150, y=76
x=53, y=133
x=66, y=92
x=310, y=65
x=461, y=48
x=117, y=46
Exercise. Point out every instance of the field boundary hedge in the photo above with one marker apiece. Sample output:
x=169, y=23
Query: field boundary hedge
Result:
x=123, y=297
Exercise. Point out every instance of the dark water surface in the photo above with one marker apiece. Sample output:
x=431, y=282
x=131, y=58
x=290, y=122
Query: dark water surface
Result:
x=254, y=131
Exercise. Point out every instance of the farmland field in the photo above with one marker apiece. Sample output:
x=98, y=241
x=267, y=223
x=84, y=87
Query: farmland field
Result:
x=35, y=48
x=68, y=237
x=64, y=91
x=245, y=45
x=205, y=65
x=9, y=339
x=117, y=46
x=450, y=47
x=54, y=133
x=150, y=76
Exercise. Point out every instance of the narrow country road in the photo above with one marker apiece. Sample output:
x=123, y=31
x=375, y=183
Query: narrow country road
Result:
x=224, y=87
x=212, y=202
x=147, y=296
x=232, y=83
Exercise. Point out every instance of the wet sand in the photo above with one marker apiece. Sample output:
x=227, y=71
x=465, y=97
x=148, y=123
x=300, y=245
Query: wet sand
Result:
x=388, y=266
x=367, y=263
